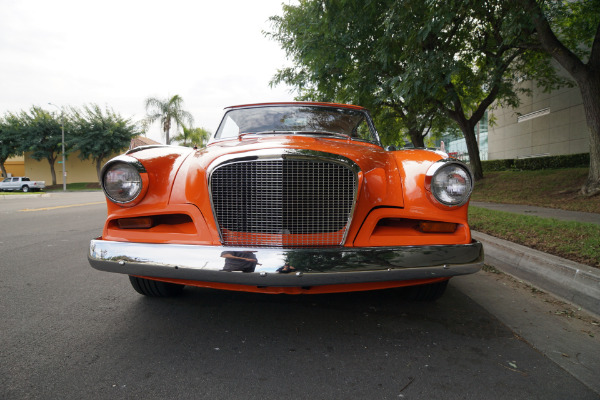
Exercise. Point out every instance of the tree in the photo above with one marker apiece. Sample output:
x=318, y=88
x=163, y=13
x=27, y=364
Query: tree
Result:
x=9, y=144
x=39, y=133
x=193, y=137
x=97, y=134
x=465, y=56
x=418, y=58
x=569, y=31
x=341, y=53
x=167, y=111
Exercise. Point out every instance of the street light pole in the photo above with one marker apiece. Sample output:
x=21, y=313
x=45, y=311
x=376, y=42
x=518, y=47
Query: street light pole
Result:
x=62, y=128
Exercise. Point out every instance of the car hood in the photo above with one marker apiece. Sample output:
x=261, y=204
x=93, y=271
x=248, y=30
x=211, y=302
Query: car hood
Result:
x=378, y=169
x=364, y=154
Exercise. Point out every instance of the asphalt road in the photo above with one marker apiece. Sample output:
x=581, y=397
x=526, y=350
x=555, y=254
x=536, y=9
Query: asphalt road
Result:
x=70, y=332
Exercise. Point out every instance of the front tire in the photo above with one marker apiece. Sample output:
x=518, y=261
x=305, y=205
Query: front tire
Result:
x=429, y=292
x=152, y=288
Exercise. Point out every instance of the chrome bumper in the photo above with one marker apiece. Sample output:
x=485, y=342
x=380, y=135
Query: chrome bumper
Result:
x=307, y=267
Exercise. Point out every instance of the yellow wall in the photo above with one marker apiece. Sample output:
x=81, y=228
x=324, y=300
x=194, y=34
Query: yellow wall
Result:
x=76, y=169
x=15, y=166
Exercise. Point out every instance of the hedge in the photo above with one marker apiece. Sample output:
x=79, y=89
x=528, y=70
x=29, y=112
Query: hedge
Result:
x=534, y=163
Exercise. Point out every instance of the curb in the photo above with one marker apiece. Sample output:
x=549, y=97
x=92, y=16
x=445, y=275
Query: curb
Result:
x=577, y=283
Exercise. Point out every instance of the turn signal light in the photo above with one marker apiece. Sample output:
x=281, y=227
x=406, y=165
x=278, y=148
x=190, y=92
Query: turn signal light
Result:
x=135, y=223
x=437, y=227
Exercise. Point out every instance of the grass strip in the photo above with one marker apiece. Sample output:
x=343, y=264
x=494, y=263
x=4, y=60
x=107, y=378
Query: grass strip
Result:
x=554, y=188
x=14, y=193
x=574, y=241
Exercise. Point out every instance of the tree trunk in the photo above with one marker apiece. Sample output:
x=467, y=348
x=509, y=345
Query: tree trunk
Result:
x=51, y=161
x=416, y=137
x=98, y=168
x=4, y=173
x=590, y=92
x=468, y=130
x=167, y=129
x=467, y=126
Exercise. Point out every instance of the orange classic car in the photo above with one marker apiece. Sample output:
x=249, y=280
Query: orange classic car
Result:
x=288, y=198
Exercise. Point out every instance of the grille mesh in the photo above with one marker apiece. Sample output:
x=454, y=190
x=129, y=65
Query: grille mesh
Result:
x=291, y=203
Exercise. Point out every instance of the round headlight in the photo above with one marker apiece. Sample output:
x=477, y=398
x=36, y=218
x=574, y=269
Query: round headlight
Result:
x=451, y=184
x=122, y=182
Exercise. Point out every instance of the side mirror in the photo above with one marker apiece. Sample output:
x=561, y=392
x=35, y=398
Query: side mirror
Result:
x=391, y=148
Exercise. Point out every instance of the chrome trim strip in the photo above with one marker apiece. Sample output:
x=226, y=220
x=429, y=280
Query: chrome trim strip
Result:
x=124, y=159
x=150, y=146
x=281, y=154
x=313, y=267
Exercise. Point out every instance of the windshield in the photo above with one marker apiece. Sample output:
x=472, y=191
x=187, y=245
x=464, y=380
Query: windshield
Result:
x=300, y=119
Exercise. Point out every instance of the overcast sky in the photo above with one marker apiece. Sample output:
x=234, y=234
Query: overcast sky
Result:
x=119, y=52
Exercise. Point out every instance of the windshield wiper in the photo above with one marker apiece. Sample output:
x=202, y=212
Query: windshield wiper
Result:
x=328, y=133
x=276, y=132
x=266, y=133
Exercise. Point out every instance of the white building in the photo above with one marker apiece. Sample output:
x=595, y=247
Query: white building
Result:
x=545, y=124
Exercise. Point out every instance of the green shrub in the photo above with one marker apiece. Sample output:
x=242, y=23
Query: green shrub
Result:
x=536, y=163
x=497, y=165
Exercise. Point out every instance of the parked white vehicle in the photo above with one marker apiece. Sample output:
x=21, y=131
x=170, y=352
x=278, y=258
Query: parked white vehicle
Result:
x=21, y=183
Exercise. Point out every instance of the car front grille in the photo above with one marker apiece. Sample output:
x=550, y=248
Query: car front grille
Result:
x=283, y=202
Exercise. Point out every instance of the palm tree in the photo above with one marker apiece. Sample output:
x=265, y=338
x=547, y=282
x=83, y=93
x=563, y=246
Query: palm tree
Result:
x=193, y=136
x=167, y=111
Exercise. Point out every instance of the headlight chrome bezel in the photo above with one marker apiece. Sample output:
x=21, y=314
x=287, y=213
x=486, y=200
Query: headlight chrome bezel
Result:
x=444, y=166
x=133, y=166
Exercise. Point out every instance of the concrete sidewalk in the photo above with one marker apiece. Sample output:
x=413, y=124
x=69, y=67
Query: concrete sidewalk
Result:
x=576, y=283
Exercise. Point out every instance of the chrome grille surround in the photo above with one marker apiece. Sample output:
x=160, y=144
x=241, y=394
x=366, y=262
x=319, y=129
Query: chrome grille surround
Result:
x=285, y=198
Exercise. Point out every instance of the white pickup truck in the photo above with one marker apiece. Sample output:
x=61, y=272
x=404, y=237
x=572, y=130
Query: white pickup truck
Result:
x=21, y=183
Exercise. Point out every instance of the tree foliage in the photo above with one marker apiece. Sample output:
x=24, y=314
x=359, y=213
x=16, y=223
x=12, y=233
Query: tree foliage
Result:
x=37, y=132
x=466, y=55
x=167, y=111
x=339, y=55
x=93, y=132
x=416, y=63
x=9, y=143
x=98, y=133
x=193, y=137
